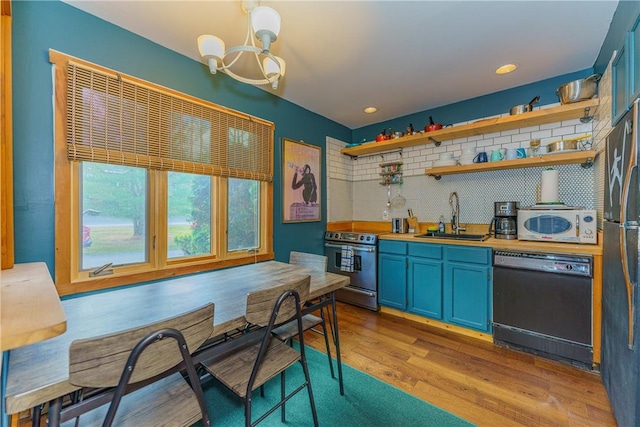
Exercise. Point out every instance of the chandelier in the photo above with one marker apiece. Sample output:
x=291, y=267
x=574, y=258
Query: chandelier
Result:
x=265, y=23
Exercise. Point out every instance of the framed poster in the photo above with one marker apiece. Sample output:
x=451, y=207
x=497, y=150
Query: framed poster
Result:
x=301, y=176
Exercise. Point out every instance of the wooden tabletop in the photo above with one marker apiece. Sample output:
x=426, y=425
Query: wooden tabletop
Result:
x=38, y=373
x=30, y=309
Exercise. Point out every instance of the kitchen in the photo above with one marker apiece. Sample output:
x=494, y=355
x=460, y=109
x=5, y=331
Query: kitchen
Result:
x=352, y=189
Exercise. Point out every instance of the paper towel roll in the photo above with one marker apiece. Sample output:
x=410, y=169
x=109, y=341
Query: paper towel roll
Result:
x=549, y=186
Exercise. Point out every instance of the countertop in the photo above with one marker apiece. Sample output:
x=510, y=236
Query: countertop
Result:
x=504, y=244
x=31, y=308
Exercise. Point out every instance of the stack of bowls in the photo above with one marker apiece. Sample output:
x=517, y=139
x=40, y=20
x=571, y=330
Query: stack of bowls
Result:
x=466, y=158
x=446, y=159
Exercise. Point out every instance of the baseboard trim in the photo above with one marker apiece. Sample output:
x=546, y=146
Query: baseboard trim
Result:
x=438, y=324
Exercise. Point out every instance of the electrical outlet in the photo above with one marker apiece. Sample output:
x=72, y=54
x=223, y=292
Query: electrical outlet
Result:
x=385, y=215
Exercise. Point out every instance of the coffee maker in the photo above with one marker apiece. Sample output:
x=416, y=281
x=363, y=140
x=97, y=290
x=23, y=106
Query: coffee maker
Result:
x=504, y=224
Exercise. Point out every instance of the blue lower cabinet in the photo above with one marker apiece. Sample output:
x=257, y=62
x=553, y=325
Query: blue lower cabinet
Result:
x=392, y=280
x=450, y=283
x=467, y=287
x=425, y=287
x=467, y=296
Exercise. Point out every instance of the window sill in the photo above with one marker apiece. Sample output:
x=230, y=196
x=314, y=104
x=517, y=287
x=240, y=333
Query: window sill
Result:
x=123, y=279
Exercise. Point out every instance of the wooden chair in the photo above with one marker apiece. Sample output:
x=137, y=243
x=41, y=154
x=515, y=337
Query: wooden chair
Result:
x=309, y=321
x=143, y=364
x=249, y=361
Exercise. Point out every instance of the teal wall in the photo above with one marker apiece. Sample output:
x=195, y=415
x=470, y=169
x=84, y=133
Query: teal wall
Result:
x=42, y=25
x=472, y=109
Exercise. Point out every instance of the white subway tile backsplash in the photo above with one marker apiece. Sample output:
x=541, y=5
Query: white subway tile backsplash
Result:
x=541, y=134
x=529, y=129
x=510, y=132
x=366, y=199
x=567, y=130
x=502, y=140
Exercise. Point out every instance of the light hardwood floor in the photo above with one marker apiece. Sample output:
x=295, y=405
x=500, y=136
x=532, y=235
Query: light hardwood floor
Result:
x=476, y=380
x=482, y=383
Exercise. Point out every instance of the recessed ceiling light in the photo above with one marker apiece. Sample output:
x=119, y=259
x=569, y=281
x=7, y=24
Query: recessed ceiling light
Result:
x=370, y=110
x=507, y=68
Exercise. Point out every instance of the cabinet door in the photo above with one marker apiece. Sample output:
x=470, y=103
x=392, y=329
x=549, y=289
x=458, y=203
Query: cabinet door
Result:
x=634, y=61
x=620, y=85
x=392, y=281
x=425, y=287
x=467, y=295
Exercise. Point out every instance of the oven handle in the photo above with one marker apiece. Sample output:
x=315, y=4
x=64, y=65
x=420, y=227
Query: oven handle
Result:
x=360, y=248
x=358, y=291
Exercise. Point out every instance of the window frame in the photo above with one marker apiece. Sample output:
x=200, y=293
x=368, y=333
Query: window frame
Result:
x=68, y=277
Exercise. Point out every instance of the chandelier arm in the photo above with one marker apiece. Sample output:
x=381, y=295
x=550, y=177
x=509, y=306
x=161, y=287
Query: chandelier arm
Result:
x=257, y=51
x=246, y=40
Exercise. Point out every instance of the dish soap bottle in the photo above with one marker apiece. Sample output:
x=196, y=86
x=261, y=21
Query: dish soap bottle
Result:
x=441, y=228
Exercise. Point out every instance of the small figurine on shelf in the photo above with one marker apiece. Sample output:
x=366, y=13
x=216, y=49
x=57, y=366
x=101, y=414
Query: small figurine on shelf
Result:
x=410, y=130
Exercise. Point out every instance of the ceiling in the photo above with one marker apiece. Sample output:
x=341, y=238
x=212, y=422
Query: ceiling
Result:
x=400, y=56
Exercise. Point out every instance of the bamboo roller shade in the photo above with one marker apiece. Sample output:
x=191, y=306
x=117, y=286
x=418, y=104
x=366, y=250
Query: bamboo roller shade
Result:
x=114, y=120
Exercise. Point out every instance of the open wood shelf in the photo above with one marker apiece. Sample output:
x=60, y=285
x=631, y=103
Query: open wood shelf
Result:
x=585, y=157
x=498, y=124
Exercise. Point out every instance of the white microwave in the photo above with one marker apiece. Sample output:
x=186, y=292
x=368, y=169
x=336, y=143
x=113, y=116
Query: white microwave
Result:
x=558, y=225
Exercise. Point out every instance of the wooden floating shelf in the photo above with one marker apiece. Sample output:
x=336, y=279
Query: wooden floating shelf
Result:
x=585, y=157
x=498, y=124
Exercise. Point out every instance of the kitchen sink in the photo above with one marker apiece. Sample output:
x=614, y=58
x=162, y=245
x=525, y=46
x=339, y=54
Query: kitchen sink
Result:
x=461, y=236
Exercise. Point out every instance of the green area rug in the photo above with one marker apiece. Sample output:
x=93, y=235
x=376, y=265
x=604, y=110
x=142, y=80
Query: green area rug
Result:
x=367, y=401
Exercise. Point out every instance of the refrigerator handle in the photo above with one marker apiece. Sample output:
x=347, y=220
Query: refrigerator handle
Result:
x=624, y=202
x=628, y=284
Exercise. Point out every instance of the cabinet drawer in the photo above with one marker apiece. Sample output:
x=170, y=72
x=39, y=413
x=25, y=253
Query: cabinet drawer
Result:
x=392, y=247
x=469, y=255
x=425, y=250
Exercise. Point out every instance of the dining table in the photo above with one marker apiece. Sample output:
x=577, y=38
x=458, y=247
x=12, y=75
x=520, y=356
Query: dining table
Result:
x=39, y=372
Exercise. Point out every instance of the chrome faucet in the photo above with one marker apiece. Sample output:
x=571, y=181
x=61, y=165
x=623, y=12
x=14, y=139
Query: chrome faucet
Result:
x=455, y=213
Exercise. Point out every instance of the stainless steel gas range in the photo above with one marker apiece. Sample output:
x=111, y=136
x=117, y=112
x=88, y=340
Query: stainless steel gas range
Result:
x=354, y=254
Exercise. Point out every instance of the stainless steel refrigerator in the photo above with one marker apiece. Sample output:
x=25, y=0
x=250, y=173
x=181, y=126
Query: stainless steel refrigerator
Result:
x=620, y=296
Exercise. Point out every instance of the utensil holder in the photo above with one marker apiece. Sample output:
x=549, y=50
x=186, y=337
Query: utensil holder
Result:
x=414, y=226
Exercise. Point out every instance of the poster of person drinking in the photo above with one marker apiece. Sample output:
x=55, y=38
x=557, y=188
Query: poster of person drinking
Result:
x=301, y=176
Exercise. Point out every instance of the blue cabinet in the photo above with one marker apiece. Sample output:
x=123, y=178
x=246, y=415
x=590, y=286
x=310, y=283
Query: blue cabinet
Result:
x=625, y=73
x=450, y=283
x=392, y=274
x=467, y=287
x=424, y=284
x=620, y=84
x=634, y=61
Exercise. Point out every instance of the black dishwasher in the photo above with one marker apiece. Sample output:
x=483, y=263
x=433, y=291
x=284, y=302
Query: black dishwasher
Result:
x=542, y=303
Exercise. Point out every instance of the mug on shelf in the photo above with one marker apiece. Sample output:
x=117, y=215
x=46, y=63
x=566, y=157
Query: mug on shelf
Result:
x=496, y=156
x=481, y=157
x=522, y=153
x=512, y=154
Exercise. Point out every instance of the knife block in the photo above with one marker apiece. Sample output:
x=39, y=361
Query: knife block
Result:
x=413, y=224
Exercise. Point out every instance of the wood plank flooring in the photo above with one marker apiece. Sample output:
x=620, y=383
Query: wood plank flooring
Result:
x=476, y=380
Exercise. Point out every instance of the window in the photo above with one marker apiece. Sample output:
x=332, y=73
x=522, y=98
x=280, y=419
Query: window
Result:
x=114, y=215
x=188, y=215
x=244, y=215
x=148, y=180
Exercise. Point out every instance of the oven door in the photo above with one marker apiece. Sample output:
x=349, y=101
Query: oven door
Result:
x=363, y=288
